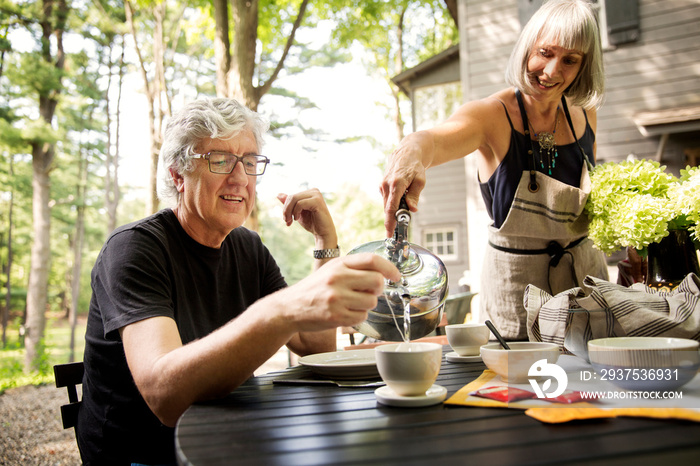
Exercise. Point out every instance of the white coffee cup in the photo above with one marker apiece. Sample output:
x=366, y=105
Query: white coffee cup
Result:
x=409, y=369
x=466, y=339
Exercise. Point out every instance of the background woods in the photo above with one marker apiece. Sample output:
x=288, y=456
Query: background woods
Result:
x=65, y=69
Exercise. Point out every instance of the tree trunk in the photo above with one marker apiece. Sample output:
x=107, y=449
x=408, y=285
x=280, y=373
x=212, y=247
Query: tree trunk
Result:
x=241, y=70
x=37, y=290
x=153, y=92
x=398, y=68
x=42, y=157
x=240, y=79
x=77, y=251
x=8, y=282
x=115, y=194
x=112, y=156
x=222, y=45
x=157, y=102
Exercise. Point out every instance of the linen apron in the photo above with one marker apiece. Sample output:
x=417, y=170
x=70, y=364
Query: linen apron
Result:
x=543, y=241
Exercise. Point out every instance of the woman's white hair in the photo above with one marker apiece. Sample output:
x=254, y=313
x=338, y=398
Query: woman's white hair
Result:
x=571, y=24
x=197, y=121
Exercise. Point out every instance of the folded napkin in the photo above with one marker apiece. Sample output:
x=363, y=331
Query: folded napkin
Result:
x=573, y=317
x=687, y=408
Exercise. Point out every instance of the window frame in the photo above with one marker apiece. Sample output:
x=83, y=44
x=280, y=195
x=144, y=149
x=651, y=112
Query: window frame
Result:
x=444, y=229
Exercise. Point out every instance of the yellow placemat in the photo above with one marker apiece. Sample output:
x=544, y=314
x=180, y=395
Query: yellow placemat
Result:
x=557, y=413
x=569, y=413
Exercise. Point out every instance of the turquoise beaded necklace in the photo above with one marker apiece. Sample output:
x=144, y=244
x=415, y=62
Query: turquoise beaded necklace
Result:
x=548, y=145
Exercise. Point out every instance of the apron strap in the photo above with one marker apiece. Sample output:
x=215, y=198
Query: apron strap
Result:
x=533, y=186
x=573, y=132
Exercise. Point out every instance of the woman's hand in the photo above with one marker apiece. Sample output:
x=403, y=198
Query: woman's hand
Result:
x=405, y=174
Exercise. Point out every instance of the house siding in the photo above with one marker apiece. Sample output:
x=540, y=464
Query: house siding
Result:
x=443, y=204
x=660, y=70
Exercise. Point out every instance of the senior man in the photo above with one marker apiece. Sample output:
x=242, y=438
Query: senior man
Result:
x=187, y=303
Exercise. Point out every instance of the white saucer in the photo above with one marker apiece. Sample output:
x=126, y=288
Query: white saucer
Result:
x=435, y=394
x=454, y=357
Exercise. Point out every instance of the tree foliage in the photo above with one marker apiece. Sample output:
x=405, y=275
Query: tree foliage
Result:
x=61, y=68
x=397, y=35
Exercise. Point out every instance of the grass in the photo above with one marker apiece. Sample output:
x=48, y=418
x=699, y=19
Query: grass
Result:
x=56, y=350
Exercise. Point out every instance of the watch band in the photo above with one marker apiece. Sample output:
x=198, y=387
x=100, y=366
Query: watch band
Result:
x=326, y=253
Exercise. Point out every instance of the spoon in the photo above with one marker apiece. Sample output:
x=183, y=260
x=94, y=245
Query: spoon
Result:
x=341, y=384
x=497, y=335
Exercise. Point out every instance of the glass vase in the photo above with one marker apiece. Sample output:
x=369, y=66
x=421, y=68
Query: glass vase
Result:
x=670, y=260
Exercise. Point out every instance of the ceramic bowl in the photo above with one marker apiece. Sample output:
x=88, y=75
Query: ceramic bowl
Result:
x=513, y=365
x=645, y=363
x=409, y=369
x=466, y=339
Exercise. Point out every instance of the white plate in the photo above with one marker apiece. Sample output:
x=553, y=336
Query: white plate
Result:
x=435, y=394
x=351, y=364
x=454, y=357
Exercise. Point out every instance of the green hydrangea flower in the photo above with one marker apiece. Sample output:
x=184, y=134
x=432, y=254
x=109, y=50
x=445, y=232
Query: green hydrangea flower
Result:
x=635, y=203
x=686, y=198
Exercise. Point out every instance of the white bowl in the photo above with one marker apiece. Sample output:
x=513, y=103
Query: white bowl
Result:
x=513, y=365
x=466, y=339
x=645, y=363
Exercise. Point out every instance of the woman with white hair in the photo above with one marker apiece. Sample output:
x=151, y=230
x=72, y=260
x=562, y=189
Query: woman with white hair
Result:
x=534, y=143
x=187, y=303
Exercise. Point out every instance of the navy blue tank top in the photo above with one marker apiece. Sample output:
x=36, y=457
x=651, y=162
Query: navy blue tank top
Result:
x=498, y=192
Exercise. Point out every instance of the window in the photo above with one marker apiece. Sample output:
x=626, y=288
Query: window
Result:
x=442, y=242
x=619, y=22
x=618, y=19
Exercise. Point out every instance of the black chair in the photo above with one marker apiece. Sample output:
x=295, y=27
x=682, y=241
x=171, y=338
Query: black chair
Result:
x=69, y=375
x=457, y=308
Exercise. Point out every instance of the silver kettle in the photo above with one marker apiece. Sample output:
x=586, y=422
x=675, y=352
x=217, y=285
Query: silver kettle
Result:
x=422, y=290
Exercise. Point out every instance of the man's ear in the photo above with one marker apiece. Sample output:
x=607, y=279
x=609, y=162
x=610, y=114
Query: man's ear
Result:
x=178, y=180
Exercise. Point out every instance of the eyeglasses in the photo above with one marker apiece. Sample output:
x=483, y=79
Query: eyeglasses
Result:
x=225, y=162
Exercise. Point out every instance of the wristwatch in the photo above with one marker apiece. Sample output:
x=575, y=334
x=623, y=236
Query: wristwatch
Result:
x=326, y=253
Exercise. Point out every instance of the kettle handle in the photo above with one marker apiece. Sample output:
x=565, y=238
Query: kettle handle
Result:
x=403, y=218
x=403, y=215
x=403, y=205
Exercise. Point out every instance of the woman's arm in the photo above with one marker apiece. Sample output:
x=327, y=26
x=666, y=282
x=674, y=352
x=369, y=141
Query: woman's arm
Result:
x=463, y=133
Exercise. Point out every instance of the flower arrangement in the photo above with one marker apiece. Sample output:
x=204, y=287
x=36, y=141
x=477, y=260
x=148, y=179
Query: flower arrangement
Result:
x=636, y=203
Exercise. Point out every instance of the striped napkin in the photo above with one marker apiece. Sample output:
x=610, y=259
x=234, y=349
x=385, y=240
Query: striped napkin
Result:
x=575, y=316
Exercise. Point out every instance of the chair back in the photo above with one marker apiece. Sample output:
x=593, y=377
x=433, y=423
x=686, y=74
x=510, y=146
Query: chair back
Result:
x=458, y=307
x=70, y=376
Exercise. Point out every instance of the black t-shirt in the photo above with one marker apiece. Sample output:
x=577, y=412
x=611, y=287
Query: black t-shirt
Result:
x=146, y=269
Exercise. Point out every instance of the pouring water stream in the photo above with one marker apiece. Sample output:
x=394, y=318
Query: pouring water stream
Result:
x=405, y=299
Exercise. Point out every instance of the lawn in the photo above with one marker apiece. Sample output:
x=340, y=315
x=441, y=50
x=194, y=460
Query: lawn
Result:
x=56, y=351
